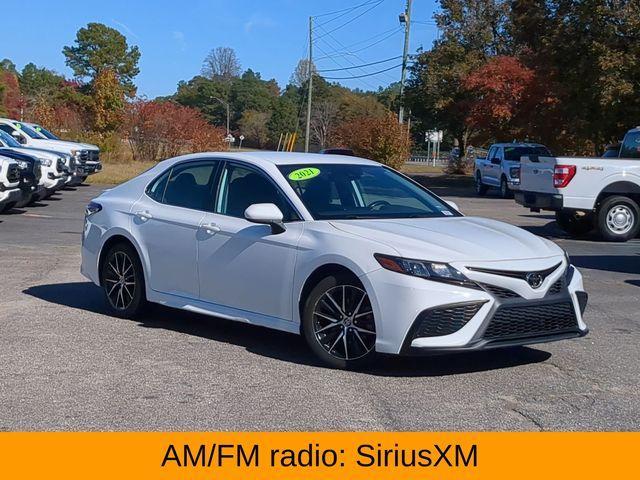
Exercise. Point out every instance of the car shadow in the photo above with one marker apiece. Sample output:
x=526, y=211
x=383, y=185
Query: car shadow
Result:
x=285, y=346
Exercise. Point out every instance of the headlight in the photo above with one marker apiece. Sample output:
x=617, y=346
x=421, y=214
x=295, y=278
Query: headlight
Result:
x=45, y=162
x=437, y=271
x=515, y=172
x=92, y=208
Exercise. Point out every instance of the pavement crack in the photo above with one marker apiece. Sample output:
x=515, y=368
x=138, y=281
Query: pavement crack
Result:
x=528, y=417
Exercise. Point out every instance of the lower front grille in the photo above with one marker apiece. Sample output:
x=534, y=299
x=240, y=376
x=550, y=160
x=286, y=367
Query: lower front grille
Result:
x=440, y=321
x=531, y=321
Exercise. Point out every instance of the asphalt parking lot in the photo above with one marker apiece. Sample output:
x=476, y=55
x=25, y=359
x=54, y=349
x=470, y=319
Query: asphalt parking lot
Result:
x=65, y=365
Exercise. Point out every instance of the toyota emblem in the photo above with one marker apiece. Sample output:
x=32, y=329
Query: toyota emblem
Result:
x=534, y=279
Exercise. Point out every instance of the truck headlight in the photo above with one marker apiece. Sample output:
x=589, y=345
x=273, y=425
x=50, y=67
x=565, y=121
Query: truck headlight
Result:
x=515, y=173
x=437, y=271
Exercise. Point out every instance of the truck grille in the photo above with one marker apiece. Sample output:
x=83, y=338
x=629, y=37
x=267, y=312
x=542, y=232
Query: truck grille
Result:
x=444, y=320
x=531, y=321
x=13, y=173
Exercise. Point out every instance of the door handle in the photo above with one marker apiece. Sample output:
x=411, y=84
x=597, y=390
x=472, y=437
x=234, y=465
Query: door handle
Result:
x=211, y=228
x=144, y=215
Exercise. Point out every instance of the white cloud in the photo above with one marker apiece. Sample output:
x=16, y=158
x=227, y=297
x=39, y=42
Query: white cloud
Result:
x=258, y=20
x=178, y=36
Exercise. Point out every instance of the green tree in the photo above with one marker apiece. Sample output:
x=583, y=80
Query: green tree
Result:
x=203, y=94
x=36, y=81
x=98, y=48
x=108, y=102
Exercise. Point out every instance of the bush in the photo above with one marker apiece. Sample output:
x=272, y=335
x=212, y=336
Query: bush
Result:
x=162, y=129
x=379, y=138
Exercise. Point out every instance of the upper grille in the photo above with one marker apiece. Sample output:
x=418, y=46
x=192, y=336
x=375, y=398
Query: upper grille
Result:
x=531, y=321
x=515, y=274
x=499, y=291
x=13, y=173
x=445, y=320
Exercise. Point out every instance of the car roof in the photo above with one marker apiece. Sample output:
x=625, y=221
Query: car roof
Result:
x=281, y=158
x=634, y=130
x=518, y=144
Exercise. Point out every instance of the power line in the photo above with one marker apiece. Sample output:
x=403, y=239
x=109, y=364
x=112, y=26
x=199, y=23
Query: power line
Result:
x=350, y=9
x=362, y=76
x=369, y=85
x=341, y=45
x=394, y=31
x=350, y=20
x=360, y=66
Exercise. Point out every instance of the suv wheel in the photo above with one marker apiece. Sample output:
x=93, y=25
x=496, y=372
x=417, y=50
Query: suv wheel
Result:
x=122, y=281
x=618, y=219
x=481, y=189
x=338, y=322
x=574, y=222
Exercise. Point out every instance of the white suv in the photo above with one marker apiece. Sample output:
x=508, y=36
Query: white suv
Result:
x=28, y=137
x=10, y=192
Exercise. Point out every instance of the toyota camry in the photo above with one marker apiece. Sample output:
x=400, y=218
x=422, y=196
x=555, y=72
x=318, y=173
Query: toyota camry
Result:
x=347, y=252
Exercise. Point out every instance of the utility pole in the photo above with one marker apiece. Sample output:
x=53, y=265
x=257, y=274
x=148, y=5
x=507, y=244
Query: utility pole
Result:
x=310, y=74
x=226, y=105
x=406, y=19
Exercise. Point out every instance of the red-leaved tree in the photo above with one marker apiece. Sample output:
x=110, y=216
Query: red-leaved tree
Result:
x=503, y=91
x=11, y=102
x=162, y=129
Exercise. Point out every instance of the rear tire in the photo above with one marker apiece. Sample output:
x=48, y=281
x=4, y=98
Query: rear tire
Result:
x=338, y=322
x=573, y=223
x=618, y=219
x=481, y=189
x=122, y=281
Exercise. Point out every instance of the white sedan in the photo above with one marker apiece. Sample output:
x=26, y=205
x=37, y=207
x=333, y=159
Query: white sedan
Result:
x=349, y=253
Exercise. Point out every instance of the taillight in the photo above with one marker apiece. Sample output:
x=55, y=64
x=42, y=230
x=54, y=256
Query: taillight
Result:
x=562, y=175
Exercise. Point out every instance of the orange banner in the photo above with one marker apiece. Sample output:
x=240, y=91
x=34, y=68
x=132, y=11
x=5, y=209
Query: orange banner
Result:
x=272, y=456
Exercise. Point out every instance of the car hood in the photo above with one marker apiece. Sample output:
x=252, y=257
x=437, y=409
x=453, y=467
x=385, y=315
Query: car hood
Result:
x=56, y=145
x=453, y=239
x=41, y=153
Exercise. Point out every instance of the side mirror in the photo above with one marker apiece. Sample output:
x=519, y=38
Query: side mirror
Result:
x=495, y=161
x=266, y=213
x=453, y=205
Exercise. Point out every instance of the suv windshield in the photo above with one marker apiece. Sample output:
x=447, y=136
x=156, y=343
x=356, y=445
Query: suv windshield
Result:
x=513, y=154
x=27, y=130
x=346, y=191
x=9, y=140
x=46, y=133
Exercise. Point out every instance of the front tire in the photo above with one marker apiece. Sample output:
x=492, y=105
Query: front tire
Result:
x=618, y=219
x=505, y=191
x=338, y=322
x=122, y=280
x=574, y=223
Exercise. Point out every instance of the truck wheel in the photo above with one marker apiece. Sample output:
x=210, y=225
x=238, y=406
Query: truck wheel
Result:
x=505, y=191
x=481, y=189
x=574, y=223
x=618, y=219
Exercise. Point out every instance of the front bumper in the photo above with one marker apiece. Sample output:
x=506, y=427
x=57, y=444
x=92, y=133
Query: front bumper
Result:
x=10, y=195
x=470, y=319
x=539, y=201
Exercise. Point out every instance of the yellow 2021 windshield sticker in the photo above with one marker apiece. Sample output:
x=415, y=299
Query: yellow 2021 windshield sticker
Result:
x=304, y=174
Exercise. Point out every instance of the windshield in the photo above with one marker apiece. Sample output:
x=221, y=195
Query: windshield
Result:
x=513, y=154
x=631, y=146
x=9, y=140
x=45, y=133
x=27, y=130
x=345, y=191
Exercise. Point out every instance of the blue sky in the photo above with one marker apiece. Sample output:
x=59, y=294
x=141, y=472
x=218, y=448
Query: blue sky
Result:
x=269, y=36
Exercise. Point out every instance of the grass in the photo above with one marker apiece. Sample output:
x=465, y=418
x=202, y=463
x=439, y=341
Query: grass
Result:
x=419, y=168
x=115, y=173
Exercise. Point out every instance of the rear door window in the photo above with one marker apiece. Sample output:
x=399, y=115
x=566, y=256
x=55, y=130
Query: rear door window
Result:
x=631, y=146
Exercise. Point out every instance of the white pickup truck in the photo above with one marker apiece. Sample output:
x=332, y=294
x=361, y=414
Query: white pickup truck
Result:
x=587, y=193
x=501, y=167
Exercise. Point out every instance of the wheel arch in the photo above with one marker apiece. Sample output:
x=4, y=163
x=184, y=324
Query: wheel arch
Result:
x=318, y=274
x=623, y=188
x=118, y=237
